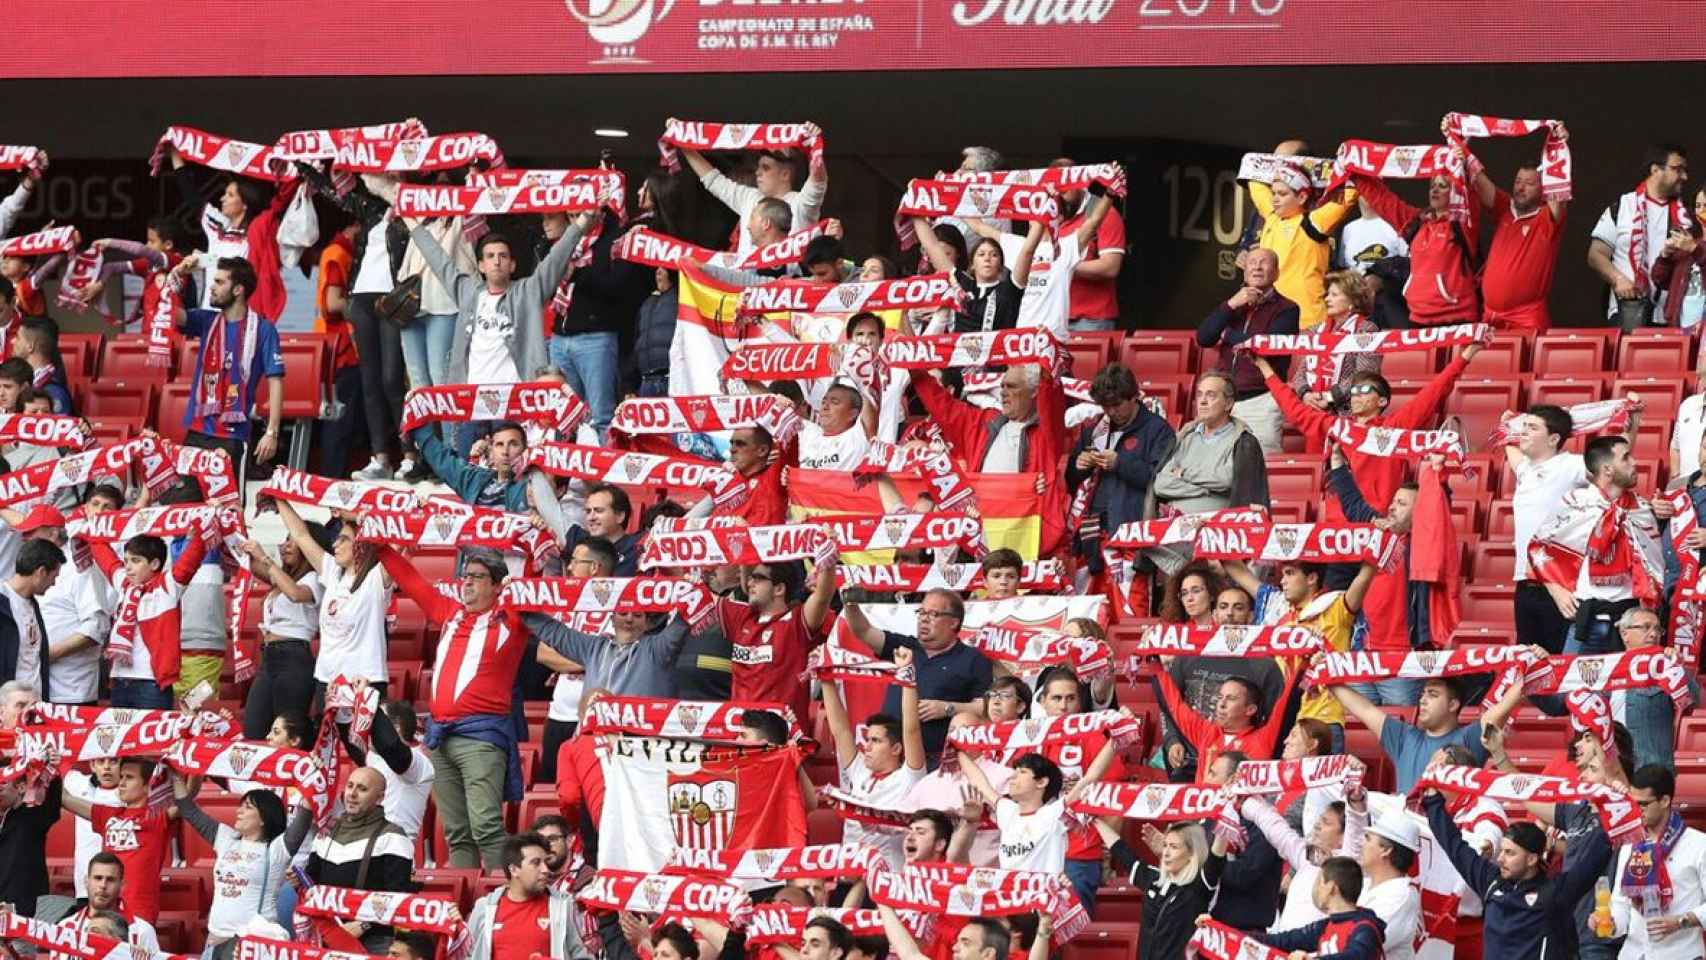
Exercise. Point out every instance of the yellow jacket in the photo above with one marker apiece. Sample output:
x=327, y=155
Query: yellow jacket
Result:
x=1302, y=258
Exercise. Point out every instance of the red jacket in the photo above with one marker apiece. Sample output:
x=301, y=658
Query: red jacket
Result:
x=1441, y=288
x=159, y=622
x=970, y=430
x=1377, y=477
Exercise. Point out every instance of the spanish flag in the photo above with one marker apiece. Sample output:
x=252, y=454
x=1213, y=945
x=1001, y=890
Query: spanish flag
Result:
x=1008, y=502
x=707, y=330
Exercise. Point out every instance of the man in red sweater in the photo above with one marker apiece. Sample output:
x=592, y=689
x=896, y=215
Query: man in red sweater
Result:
x=1377, y=477
x=1517, y=277
x=1028, y=434
x=1441, y=288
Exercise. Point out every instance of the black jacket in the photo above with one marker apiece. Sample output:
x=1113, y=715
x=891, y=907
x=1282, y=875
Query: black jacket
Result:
x=608, y=291
x=23, y=849
x=10, y=635
x=1250, y=883
x=1170, y=913
x=1530, y=919
x=1138, y=451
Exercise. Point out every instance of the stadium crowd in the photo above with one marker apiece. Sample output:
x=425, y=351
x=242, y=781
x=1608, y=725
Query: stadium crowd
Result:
x=792, y=600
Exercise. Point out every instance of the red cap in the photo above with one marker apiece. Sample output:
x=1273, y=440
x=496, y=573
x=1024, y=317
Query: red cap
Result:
x=43, y=515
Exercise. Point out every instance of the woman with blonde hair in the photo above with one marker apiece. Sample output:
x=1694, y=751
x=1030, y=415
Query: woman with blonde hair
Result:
x=1324, y=381
x=1177, y=890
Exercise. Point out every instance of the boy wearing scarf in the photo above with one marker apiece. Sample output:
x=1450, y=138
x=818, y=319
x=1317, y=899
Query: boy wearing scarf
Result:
x=1659, y=897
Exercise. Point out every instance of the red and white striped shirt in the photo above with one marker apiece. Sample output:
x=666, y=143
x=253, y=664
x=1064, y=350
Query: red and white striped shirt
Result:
x=478, y=657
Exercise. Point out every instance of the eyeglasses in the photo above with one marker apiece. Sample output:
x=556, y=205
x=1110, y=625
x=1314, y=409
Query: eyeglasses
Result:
x=1002, y=695
x=765, y=577
x=582, y=561
x=927, y=614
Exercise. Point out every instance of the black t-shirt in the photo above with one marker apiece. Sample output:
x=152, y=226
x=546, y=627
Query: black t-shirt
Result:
x=23, y=849
x=957, y=675
x=994, y=307
x=702, y=670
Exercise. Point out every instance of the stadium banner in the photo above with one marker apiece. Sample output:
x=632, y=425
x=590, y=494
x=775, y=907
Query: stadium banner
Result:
x=52, y=38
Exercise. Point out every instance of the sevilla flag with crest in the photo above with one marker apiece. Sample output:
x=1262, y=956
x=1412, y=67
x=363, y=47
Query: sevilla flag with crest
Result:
x=664, y=796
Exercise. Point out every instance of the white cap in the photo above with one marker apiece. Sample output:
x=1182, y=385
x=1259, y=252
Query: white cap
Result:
x=1399, y=827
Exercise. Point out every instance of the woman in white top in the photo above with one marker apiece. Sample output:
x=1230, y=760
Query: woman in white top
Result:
x=251, y=857
x=355, y=595
x=290, y=619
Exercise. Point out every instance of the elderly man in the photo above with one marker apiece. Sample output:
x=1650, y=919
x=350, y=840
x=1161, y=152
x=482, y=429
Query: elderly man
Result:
x=1028, y=434
x=952, y=677
x=1214, y=462
x=1256, y=309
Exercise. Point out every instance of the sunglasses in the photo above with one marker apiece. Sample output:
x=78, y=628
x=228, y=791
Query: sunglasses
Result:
x=1363, y=389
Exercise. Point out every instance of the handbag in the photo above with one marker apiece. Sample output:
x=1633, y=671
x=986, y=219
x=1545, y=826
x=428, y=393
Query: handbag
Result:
x=400, y=306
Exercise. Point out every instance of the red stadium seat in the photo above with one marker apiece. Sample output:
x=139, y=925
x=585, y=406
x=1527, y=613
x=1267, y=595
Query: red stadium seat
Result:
x=307, y=363
x=1567, y=391
x=79, y=351
x=1661, y=394
x=1160, y=353
x=1411, y=364
x=1491, y=562
x=1479, y=403
x=1489, y=603
x=1508, y=353
x=1501, y=522
x=1103, y=941
x=434, y=564
x=823, y=825
x=1485, y=632
x=120, y=401
x=1571, y=352
x=1088, y=356
x=126, y=357
x=174, y=404
x=183, y=355
x=1655, y=352
x=1294, y=480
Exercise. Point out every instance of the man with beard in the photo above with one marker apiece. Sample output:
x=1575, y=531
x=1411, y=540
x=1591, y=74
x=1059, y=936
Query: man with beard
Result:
x=103, y=881
x=1631, y=233
x=771, y=636
x=1516, y=278
x=239, y=348
x=526, y=917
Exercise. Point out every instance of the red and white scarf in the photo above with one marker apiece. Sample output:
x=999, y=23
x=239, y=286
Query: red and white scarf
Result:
x=1414, y=162
x=1255, y=642
x=1027, y=647
x=177, y=520
x=1618, y=814
x=1377, y=441
x=43, y=430
x=959, y=890
x=809, y=296
x=903, y=531
x=1011, y=739
x=80, y=274
x=1332, y=343
x=1151, y=801
x=1180, y=528
x=646, y=246
x=1295, y=542
x=1336, y=668
x=1279, y=777
x=446, y=151
x=355, y=496
x=1321, y=371
x=780, y=361
x=14, y=157
x=562, y=595
x=1110, y=175
x=828, y=861
x=661, y=893
x=1628, y=670
x=771, y=924
x=1687, y=615
x=707, y=414
x=860, y=809
x=325, y=906
x=162, y=298
x=48, y=240
x=441, y=200
x=324, y=144
x=210, y=468
x=217, y=725
x=543, y=401
x=218, y=153
x=949, y=488
x=1315, y=173
x=26, y=486
x=702, y=136
x=261, y=948
x=716, y=544
x=838, y=661
x=260, y=763
x=1555, y=164
x=1598, y=416
x=1044, y=576
x=73, y=941
x=1617, y=540
x=223, y=391
x=1217, y=941
x=996, y=347
x=1676, y=214
x=599, y=465
x=1078, y=516
x=450, y=523
x=958, y=198
x=713, y=721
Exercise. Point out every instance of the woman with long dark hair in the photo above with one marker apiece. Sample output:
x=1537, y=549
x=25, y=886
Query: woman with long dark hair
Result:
x=251, y=857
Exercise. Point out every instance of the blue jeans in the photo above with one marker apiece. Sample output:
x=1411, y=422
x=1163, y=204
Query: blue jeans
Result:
x=1601, y=638
x=1390, y=693
x=141, y=695
x=1085, y=877
x=588, y=362
x=426, y=348
x=654, y=386
x=1088, y=326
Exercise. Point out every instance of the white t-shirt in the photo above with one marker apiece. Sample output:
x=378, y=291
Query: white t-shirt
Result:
x=1614, y=229
x=489, y=359
x=841, y=451
x=1540, y=489
x=247, y=875
x=887, y=792
x=82, y=786
x=405, y=793
x=1047, y=302
x=77, y=603
x=1398, y=901
x=352, y=624
x=1685, y=438
x=29, y=636
x=566, y=698
x=373, y=275
x=1367, y=240
x=1035, y=841
x=284, y=617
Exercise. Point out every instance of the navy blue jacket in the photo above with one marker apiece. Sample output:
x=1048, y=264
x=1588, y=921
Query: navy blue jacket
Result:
x=1356, y=934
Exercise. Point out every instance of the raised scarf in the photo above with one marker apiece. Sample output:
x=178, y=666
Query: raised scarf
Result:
x=771, y=924
x=959, y=198
x=443, y=200
x=904, y=531
x=1321, y=371
x=14, y=157
x=446, y=151
x=838, y=661
x=542, y=401
x=1137, y=535
x=713, y=721
x=1009, y=740
x=1332, y=343
x=1598, y=416
x=1376, y=441
x=1026, y=647
x=43, y=242
x=446, y=522
x=708, y=414
x=261, y=948
x=703, y=136
x=1044, y=575
x=600, y=465
x=324, y=144
x=1645, y=874
x=1555, y=164
x=355, y=496
x=997, y=347
x=325, y=906
x=73, y=941
x=671, y=895
x=959, y=890
x=43, y=430
x=764, y=362
x=219, y=153
x=272, y=766
x=1336, y=668
x=1617, y=813
x=1315, y=173
x=1296, y=542
x=1254, y=642
x=1217, y=941
x=1414, y=162
x=949, y=488
x=560, y=595
x=646, y=246
x=710, y=545
x=829, y=861
x=809, y=296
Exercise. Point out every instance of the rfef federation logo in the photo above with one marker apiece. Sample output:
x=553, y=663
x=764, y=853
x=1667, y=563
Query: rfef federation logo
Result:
x=618, y=25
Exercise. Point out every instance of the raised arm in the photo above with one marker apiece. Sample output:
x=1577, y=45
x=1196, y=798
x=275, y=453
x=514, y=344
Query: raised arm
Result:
x=1478, y=872
x=1191, y=724
x=261, y=565
x=1386, y=204
x=449, y=274
x=901, y=942
x=911, y=727
x=413, y=585
x=977, y=780
x=861, y=629
x=1291, y=847
x=935, y=250
x=840, y=726
x=816, y=608
x=1358, y=589
x=297, y=528
x=1360, y=707
x=1093, y=220
x=1021, y=269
